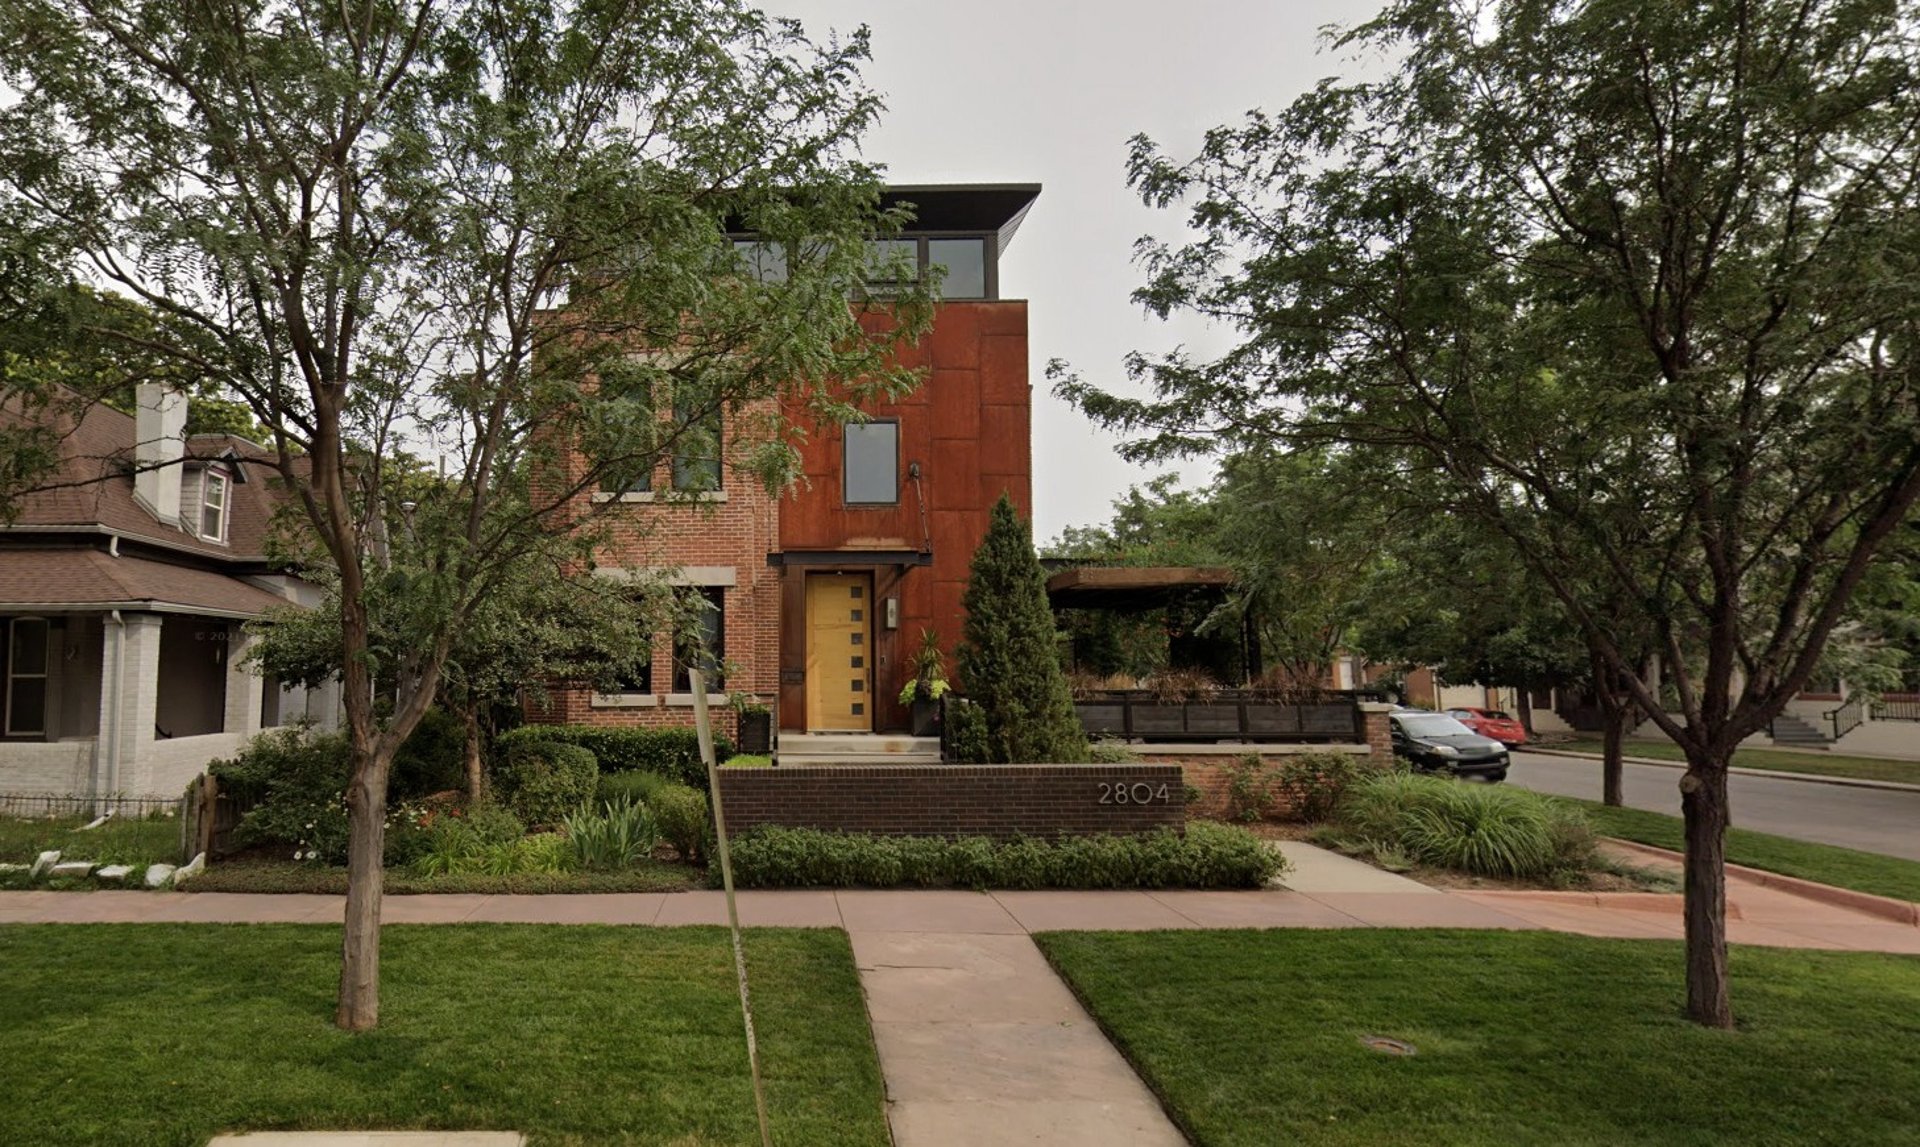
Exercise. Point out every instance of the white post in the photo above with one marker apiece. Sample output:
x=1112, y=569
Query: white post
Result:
x=703, y=726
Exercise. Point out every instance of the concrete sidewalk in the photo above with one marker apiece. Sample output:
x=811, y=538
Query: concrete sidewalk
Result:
x=1322, y=890
x=979, y=1041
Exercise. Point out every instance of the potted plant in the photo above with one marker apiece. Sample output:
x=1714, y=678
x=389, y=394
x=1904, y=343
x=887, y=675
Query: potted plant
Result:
x=923, y=690
x=753, y=725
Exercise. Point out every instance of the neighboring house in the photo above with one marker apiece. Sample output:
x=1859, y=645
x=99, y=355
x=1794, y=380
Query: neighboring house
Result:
x=123, y=587
x=816, y=598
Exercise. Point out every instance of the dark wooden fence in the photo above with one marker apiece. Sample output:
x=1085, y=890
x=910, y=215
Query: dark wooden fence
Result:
x=1228, y=715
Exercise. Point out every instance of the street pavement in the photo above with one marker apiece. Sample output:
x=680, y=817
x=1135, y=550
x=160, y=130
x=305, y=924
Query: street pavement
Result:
x=1873, y=820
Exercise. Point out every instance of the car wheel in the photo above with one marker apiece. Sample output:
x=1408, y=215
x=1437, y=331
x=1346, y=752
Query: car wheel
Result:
x=1495, y=778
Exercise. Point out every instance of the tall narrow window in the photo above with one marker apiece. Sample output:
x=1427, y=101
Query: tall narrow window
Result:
x=625, y=441
x=696, y=450
x=701, y=638
x=213, y=506
x=27, y=677
x=871, y=466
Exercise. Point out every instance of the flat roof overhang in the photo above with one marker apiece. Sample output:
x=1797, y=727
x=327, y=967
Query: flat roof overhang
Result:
x=850, y=558
x=1132, y=587
x=996, y=207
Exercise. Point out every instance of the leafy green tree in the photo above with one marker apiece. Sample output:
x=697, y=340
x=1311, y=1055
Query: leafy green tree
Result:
x=431, y=230
x=1008, y=657
x=1631, y=282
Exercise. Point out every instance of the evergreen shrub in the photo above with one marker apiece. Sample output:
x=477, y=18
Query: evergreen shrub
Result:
x=1009, y=652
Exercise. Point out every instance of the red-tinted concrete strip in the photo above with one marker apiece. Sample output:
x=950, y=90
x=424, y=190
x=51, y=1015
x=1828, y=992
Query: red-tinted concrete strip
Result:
x=1866, y=903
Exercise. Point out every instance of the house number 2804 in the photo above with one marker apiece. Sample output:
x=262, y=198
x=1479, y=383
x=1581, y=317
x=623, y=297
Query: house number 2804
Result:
x=1140, y=792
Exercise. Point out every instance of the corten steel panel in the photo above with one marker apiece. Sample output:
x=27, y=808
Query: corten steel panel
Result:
x=956, y=534
x=955, y=338
x=1003, y=369
x=956, y=403
x=953, y=475
x=1003, y=317
x=1004, y=447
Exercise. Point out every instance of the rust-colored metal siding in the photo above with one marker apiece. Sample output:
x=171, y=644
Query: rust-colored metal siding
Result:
x=968, y=428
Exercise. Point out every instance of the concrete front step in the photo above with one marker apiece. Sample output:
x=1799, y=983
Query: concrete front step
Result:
x=795, y=760
x=856, y=745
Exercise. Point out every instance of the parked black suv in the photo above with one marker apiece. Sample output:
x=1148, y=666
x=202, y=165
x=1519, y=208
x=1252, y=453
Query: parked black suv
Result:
x=1435, y=741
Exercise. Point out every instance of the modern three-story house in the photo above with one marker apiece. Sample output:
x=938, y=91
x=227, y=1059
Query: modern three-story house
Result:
x=816, y=598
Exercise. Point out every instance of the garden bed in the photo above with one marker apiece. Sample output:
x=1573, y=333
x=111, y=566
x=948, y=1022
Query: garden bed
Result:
x=167, y=1034
x=1604, y=874
x=247, y=874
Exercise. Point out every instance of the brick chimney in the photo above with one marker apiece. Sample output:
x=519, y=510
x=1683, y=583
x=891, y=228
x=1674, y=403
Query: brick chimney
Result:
x=160, y=441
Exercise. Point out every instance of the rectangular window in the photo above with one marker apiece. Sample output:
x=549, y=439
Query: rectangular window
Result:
x=213, y=506
x=640, y=680
x=761, y=261
x=27, y=677
x=871, y=465
x=625, y=442
x=965, y=263
x=701, y=638
x=696, y=449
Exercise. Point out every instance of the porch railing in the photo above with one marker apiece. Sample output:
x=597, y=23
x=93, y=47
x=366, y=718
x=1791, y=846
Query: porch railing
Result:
x=1848, y=717
x=1905, y=708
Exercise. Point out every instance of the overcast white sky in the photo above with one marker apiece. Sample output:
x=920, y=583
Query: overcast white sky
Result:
x=1049, y=92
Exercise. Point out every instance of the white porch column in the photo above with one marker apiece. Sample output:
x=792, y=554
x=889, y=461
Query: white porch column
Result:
x=244, y=686
x=129, y=700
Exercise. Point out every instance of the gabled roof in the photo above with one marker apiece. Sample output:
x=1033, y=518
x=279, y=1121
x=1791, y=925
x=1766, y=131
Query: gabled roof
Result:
x=92, y=490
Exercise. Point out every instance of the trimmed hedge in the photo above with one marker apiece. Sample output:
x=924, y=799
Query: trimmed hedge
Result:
x=1205, y=856
x=672, y=753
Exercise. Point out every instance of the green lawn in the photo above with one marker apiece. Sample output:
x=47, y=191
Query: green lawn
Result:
x=1523, y=1038
x=1783, y=760
x=164, y=1034
x=119, y=841
x=1841, y=867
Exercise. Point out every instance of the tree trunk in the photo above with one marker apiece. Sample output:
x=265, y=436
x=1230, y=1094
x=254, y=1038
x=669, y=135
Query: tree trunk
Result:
x=1526, y=708
x=1703, y=805
x=1611, y=768
x=359, y=1004
x=476, y=771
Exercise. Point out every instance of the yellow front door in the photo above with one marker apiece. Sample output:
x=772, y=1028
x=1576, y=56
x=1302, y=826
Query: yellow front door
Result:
x=840, y=652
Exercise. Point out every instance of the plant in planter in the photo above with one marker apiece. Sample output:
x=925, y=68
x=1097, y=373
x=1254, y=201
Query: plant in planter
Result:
x=754, y=724
x=923, y=690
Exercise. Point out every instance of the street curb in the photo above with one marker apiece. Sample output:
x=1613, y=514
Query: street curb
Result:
x=1777, y=774
x=1866, y=903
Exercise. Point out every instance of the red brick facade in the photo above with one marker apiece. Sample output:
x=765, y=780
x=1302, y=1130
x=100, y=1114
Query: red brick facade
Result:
x=720, y=540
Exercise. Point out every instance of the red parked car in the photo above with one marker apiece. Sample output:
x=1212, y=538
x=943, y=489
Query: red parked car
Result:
x=1491, y=723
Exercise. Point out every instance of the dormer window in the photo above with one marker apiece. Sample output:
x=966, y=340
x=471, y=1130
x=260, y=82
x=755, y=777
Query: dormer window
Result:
x=213, y=505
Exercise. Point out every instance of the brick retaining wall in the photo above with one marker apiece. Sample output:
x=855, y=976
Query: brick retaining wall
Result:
x=957, y=800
